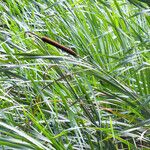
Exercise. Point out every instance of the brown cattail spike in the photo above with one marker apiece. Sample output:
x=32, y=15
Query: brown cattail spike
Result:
x=54, y=43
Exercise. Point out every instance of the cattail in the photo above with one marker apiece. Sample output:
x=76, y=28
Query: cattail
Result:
x=62, y=47
x=54, y=43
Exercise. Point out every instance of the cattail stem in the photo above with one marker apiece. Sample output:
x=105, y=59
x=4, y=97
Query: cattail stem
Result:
x=54, y=43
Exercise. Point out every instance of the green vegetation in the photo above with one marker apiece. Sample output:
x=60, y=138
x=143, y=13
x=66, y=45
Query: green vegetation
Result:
x=52, y=100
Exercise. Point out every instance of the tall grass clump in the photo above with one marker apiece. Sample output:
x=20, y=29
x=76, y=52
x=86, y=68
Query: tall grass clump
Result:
x=99, y=100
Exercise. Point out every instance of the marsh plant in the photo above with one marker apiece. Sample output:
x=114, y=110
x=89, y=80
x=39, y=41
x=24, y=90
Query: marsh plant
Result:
x=96, y=99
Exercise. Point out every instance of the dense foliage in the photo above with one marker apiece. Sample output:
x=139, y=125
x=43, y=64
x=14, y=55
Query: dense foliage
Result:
x=52, y=100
